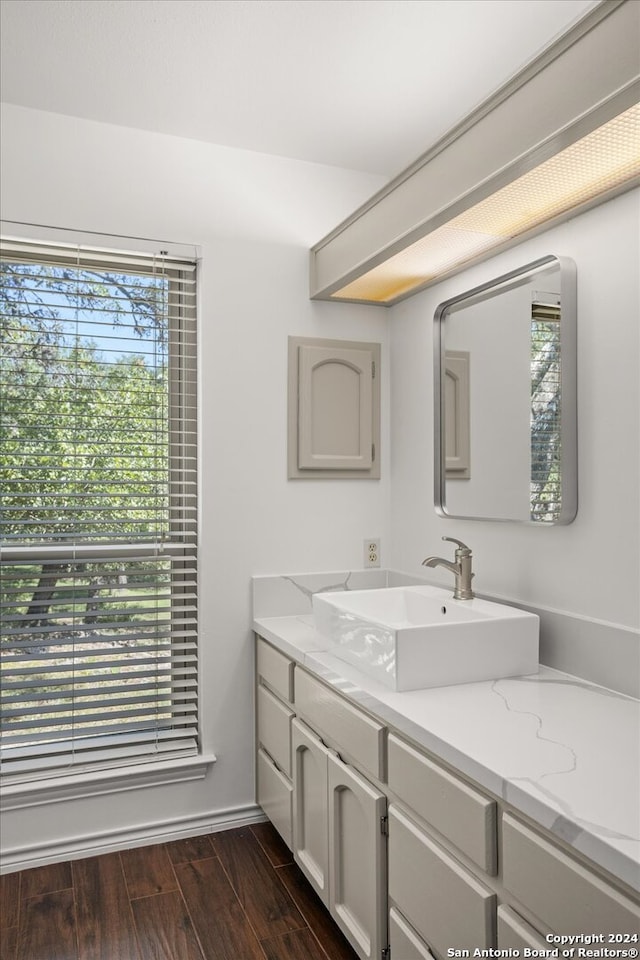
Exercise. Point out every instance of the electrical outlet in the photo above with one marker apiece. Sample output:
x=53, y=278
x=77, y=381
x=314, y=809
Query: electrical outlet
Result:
x=371, y=552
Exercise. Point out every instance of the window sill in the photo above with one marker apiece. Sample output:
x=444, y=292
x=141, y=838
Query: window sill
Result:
x=101, y=782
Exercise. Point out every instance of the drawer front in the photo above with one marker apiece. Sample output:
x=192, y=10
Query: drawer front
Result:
x=275, y=796
x=274, y=728
x=275, y=669
x=442, y=901
x=404, y=941
x=351, y=730
x=565, y=895
x=514, y=933
x=457, y=811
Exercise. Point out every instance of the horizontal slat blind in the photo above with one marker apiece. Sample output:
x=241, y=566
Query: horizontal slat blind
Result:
x=98, y=507
x=546, y=490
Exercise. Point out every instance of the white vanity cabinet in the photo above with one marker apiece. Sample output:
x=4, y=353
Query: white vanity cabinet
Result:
x=318, y=796
x=437, y=821
x=274, y=713
x=448, y=885
x=458, y=867
x=564, y=894
x=341, y=849
x=442, y=900
x=339, y=840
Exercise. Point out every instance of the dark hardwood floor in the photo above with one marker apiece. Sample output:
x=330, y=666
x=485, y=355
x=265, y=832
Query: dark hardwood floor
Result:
x=235, y=895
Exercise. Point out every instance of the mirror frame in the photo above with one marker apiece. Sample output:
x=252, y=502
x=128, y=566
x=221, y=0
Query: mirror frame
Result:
x=568, y=383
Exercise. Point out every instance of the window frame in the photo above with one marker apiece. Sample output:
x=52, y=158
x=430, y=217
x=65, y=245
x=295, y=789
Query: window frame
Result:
x=180, y=543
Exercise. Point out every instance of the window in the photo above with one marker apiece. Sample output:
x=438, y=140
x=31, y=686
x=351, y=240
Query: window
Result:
x=546, y=409
x=98, y=509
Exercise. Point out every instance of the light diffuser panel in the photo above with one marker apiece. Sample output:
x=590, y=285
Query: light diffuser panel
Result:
x=604, y=160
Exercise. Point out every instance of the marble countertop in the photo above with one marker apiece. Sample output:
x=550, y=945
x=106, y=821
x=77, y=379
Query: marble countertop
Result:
x=563, y=751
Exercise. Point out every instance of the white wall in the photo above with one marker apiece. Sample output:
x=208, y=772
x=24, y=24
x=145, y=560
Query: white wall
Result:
x=255, y=217
x=590, y=568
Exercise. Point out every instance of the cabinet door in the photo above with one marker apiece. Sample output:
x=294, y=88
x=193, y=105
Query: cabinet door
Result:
x=357, y=859
x=310, y=830
x=335, y=408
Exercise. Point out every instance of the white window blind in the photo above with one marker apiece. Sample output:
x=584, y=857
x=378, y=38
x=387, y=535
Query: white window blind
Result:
x=98, y=507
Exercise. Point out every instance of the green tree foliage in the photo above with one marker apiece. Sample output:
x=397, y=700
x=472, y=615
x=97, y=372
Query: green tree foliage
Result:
x=84, y=452
x=545, y=418
x=84, y=459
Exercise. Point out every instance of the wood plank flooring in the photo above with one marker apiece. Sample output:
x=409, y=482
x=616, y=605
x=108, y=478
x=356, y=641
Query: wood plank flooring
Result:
x=234, y=895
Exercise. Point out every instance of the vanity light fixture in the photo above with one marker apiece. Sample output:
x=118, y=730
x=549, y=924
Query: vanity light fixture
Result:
x=561, y=137
x=592, y=167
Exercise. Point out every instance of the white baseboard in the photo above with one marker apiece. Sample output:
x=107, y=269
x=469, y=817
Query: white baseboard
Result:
x=92, y=845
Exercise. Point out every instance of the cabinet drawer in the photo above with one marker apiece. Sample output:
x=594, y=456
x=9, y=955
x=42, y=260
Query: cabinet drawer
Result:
x=274, y=796
x=404, y=941
x=565, y=895
x=515, y=933
x=440, y=898
x=274, y=728
x=349, y=729
x=457, y=811
x=275, y=669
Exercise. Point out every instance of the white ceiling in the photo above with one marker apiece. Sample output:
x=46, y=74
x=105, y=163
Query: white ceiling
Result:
x=362, y=84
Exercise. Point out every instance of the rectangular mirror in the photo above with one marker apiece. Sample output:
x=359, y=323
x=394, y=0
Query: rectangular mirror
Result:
x=505, y=398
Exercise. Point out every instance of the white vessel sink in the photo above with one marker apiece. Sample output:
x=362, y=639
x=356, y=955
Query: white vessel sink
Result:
x=410, y=638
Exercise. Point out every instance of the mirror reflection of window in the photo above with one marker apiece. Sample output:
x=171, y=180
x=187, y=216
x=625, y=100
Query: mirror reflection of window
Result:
x=546, y=407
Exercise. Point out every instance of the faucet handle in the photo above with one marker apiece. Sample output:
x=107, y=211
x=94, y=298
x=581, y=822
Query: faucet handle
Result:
x=461, y=546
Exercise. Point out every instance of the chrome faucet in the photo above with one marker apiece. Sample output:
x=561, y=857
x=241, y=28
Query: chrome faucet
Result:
x=460, y=568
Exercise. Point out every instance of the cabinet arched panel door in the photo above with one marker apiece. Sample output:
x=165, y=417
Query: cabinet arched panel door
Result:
x=310, y=826
x=335, y=414
x=333, y=409
x=357, y=859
